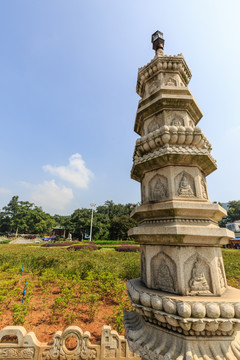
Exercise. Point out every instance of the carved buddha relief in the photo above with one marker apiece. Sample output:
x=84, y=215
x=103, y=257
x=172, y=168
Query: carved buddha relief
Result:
x=175, y=118
x=197, y=271
x=163, y=271
x=158, y=188
x=171, y=82
x=198, y=280
x=177, y=121
x=184, y=185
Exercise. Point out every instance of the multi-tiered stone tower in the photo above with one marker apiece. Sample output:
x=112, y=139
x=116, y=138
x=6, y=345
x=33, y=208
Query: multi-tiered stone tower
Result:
x=184, y=308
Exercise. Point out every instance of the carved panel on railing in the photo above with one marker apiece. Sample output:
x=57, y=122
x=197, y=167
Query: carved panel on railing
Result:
x=72, y=344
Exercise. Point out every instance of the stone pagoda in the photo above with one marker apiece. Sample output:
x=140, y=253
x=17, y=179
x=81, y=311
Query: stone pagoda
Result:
x=183, y=306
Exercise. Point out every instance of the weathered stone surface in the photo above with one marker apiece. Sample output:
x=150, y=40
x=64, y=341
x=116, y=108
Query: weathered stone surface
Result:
x=184, y=309
x=218, y=315
x=26, y=346
x=152, y=342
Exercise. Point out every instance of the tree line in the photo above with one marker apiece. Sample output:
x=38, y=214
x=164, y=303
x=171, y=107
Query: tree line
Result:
x=110, y=221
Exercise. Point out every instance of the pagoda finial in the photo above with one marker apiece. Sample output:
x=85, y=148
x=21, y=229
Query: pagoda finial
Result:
x=158, y=42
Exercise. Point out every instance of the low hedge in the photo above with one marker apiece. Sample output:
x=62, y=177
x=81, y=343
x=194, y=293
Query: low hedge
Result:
x=126, y=248
x=57, y=244
x=108, y=242
x=81, y=247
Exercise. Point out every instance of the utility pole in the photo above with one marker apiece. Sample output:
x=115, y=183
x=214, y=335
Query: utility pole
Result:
x=93, y=206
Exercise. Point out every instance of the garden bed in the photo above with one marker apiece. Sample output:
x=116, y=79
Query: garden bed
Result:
x=84, y=288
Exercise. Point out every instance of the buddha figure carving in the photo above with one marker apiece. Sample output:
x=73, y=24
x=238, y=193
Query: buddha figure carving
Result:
x=159, y=191
x=185, y=188
x=198, y=280
x=164, y=280
x=171, y=82
x=176, y=122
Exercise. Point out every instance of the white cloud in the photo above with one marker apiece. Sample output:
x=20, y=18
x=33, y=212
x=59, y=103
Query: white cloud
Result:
x=51, y=196
x=75, y=172
x=4, y=191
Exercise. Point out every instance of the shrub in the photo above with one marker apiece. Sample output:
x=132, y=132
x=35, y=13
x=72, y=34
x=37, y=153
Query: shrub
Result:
x=127, y=248
x=81, y=247
x=114, y=242
x=7, y=241
x=66, y=243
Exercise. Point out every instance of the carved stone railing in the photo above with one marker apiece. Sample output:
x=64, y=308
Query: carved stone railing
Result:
x=71, y=344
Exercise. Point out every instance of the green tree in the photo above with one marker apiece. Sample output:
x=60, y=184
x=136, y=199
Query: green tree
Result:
x=233, y=210
x=25, y=217
x=80, y=220
x=119, y=227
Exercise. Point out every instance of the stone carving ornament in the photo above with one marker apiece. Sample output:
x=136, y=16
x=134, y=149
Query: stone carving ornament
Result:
x=163, y=271
x=185, y=188
x=59, y=350
x=158, y=188
x=164, y=279
x=155, y=123
x=198, y=282
x=153, y=86
x=220, y=274
x=177, y=122
x=204, y=189
x=16, y=353
x=171, y=82
x=162, y=347
x=184, y=183
x=191, y=124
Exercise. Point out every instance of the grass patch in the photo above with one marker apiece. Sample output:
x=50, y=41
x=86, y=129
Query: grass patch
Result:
x=77, y=287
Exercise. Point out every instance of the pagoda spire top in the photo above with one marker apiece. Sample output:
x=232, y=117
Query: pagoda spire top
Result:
x=158, y=42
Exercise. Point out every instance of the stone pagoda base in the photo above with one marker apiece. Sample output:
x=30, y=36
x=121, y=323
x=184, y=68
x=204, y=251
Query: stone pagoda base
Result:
x=152, y=342
x=174, y=327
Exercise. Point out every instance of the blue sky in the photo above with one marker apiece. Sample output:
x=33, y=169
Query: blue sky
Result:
x=68, y=73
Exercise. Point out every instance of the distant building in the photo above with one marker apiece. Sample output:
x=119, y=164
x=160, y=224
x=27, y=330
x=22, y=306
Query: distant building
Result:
x=60, y=231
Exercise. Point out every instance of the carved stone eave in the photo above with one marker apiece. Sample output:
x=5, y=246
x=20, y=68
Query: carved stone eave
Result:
x=173, y=234
x=177, y=208
x=163, y=63
x=174, y=155
x=161, y=100
x=191, y=138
